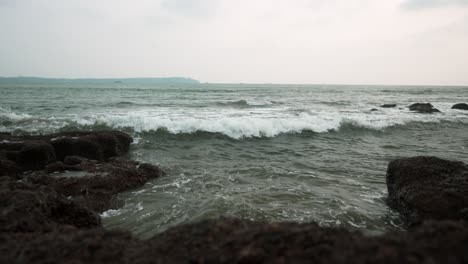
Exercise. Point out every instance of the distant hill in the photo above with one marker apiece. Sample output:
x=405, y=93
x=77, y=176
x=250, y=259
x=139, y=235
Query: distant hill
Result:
x=167, y=80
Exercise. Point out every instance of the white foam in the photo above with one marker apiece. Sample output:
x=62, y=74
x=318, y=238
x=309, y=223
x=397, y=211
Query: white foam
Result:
x=239, y=125
x=11, y=116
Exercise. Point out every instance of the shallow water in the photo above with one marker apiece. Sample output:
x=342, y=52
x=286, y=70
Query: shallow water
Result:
x=270, y=152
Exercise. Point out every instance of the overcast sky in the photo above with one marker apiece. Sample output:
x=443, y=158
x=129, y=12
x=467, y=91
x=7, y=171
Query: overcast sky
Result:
x=248, y=41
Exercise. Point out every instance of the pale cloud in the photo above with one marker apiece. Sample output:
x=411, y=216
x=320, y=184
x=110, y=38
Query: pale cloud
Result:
x=191, y=8
x=279, y=41
x=423, y=4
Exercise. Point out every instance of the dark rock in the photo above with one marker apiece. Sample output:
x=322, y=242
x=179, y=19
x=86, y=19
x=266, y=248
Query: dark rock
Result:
x=91, y=145
x=57, y=166
x=32, y=208
x=374, y=109
x=67, y=146
x=461, y=106
x=102, y=181
x=428, y=188
x=388, y=105
x=241, y=241
x=35, y=155
x=423, y=108
x=8, y=168
x=74, y=160
x=150, y=171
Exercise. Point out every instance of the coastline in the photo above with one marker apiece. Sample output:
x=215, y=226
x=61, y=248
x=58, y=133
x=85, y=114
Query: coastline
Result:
x=52, y=218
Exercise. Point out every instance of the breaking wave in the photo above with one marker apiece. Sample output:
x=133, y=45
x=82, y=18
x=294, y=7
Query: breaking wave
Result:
x=236, y=127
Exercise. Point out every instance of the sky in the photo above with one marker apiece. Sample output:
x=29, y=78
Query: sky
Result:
x=239, y=41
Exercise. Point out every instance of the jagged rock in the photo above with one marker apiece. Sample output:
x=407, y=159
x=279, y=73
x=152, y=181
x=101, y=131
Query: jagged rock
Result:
x=388, y=105
x=425, y=108
x=91, y=145
x=35, y=208
x=35, y=155
x=74, y=160
x=96, y=189
x=461, y=106
x=8, y=168
x=428, y=188
x=150, y=171
x=241, y=241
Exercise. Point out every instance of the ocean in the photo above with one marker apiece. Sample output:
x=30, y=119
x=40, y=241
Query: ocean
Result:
x=265, y=152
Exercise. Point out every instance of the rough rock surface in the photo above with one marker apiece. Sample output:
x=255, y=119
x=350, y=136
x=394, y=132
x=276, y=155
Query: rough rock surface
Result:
x=36, y=152
x=428, y=188
x=461, y=106
x=100, y=182
x=36, y=208
x=241, y=241
x=424, y=108
x=47, y=217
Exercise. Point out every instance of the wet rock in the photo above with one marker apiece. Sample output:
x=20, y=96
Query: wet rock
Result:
x=91, y=145
x=241, y=241
x=34, y=208
x=423, y=188
x=150, y=171
x=461, y=106
x=35, y=155
x=97, y=188
x=388, y=105
x=374, y=109
x=66, y=245
x=67, y=146
x=74, y=160
x=8, y=168
x=425, y=108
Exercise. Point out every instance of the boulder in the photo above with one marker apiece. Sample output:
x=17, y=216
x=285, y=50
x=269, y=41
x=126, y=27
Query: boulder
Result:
x=101, y=182
x=229, y=240
x=461, y=106
x=424, y=108
x=8, y=168
x=35, y=155
x=33, y=208
x=91, y=145
x=422, y=188
x=388, y=105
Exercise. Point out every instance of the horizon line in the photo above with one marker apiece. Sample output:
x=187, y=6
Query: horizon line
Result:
x=233, y=83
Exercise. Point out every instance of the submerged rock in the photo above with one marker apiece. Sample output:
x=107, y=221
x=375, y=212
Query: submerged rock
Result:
x=388, y=105
x=461, y=106
x=428, y=188
x=423, y=108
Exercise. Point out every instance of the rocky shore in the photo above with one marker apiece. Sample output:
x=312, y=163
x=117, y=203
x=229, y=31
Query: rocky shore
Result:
x=48, y=216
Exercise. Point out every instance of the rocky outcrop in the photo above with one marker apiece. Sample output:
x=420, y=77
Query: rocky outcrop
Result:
x=424, y=188
x=241, y=241
x=461, y=106
x=424, y=108
x=97, y=146
x=388, y=105
x=49, y=215
x=99, y=182
x=37, y=208
x=92, y=154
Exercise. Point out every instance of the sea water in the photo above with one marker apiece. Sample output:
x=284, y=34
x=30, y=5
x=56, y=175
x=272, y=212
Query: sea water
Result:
x=264, y=152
